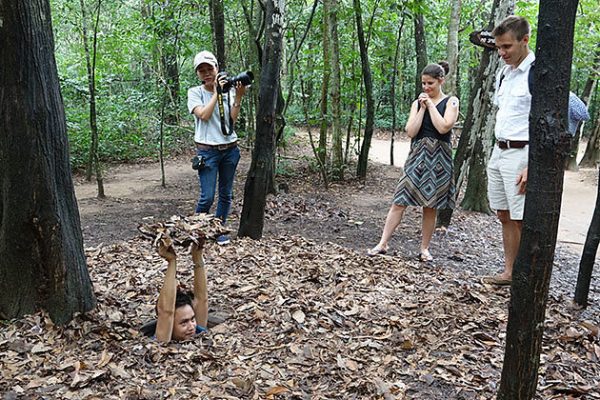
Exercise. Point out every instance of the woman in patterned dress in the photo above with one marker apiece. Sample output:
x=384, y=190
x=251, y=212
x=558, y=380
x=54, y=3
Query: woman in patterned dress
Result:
x=427, y=180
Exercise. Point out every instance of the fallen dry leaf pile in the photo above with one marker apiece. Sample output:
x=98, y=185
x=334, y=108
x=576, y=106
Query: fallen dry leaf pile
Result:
x=307, y=321
x=182, y=231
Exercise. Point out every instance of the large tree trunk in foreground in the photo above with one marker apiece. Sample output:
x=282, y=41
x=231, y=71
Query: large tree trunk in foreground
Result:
x=42, y=263
x=477, y=137
x=549, y=143
x=586, y=265
x=363, y=158
x=261, y=169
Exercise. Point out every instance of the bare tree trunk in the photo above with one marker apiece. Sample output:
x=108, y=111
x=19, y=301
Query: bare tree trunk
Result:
x=421, y=49
x=478, y=130
x=451, y=79
x=255, y=24
x=294, y=56
x=571, y=164
x=590, y=249
x=322, y=167
x=361, y=169
x=217, y=19
x=338, y=154
x=351, y=111
x=94, y=158
x=548, y=149
x=261, y=168
x=591, y=157
x=42, y=262
x=324, y=123
x=393, y=87
x=168, y=44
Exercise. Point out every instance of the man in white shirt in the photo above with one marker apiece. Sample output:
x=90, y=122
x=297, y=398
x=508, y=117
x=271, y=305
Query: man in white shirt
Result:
x=507, y=168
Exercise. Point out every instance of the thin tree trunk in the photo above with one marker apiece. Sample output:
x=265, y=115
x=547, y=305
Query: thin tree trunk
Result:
x=324, y=123
x=261, y=168
x=169, y=46
x=161, y=140
x=393, y=87
x=322, y=167
x=477, y=136
x=421, y=49
x=548, y=150
x=42, y=262
x=571, y=164
x=591, y=157
x=452, y=48
x=338, y=154
x=351, y=111
x=294, y=57
x=255, y=24
x=217, y=19
x=590, y=249
x=94, y=158
x=361, y=169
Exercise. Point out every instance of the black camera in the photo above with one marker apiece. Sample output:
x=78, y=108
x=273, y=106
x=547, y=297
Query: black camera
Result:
x=198, y=162
x=245, y=78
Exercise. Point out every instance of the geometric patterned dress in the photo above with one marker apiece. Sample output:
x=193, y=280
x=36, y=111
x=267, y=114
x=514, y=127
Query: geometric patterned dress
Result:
x=427, y=178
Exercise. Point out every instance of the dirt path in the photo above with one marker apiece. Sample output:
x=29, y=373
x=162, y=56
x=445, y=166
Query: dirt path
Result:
x=135, y=194
x=578, y=200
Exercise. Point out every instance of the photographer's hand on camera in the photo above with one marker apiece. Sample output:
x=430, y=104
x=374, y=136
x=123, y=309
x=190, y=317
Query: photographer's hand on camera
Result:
x=240, y=90
x=222, y=80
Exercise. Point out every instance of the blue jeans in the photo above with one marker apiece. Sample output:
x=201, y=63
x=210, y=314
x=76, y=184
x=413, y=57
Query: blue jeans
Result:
x=222, y=163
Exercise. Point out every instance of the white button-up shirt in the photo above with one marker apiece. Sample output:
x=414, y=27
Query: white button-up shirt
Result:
x=514, y=101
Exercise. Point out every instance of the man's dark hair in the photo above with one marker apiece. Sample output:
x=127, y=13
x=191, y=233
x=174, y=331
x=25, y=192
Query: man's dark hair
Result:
x=519, y=27
x=183, y=298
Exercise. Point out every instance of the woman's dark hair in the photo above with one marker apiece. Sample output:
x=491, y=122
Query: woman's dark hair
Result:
x=437, y=71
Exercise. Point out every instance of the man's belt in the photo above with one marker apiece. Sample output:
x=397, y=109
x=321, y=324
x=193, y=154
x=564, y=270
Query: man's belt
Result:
x=221, y=147
x=512, y=144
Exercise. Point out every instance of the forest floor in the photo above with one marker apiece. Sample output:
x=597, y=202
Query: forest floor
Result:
x=309, y=315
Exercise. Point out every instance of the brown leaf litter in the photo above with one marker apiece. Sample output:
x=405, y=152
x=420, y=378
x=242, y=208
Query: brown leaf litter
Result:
x=306, y=321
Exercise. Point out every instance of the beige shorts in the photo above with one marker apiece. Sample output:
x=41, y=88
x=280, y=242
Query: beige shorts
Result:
x=502, y=172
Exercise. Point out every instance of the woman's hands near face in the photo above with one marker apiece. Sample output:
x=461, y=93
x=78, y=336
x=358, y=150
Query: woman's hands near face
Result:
x=424, y=100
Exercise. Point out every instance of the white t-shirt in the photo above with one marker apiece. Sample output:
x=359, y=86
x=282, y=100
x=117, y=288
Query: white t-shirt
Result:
x=209, y=132
x=514, y=101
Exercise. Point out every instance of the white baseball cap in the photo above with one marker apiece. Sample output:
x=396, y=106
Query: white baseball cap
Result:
x=205, y=57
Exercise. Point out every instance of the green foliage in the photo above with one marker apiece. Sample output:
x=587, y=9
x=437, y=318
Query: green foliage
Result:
x=133, y=35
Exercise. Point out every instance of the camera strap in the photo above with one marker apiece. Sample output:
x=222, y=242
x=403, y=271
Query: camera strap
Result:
x=222, y=112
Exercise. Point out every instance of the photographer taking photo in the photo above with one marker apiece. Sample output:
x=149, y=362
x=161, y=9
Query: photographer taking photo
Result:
x=215, y=111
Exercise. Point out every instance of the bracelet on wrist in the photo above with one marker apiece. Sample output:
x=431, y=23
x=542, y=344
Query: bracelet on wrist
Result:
x=237, y=105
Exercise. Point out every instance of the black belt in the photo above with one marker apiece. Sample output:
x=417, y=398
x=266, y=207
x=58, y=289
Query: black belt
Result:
x=512, y=144
x=221, y=147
